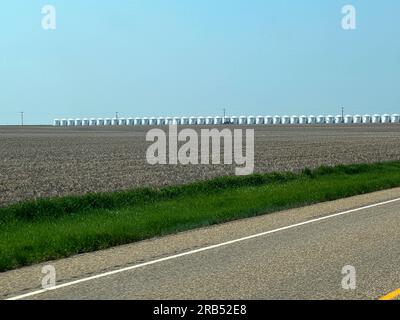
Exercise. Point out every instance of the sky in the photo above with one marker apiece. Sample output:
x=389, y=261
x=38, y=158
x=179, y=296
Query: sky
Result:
x=196, y=57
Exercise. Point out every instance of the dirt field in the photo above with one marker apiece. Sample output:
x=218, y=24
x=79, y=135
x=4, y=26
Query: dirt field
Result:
x=46, y=161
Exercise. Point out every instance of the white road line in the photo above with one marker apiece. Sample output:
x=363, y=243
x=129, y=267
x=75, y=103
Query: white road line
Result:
x=141, y=265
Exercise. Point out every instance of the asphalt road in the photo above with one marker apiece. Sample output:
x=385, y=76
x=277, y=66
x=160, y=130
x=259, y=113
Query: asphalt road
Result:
x=296, y=254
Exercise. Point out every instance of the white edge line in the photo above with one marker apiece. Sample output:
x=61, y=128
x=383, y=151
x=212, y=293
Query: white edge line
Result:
x=141, y=265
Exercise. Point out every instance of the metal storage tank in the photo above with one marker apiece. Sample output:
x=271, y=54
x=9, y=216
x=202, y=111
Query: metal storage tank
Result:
x=192, y=120
x=268, y=120
x=339, y=119
x=251, y=120
x=366, y=118
x=357, y=118
x=100, y=122
x=218, y=120
x=93, y=122
x=138, y=121
x=242, y=120
x=177, y=121
x=329, y=119
x=78, y=122
x=294, y=120
x=395, y=118
x=161, y=121
x=210, y=120
x=234, y=120
x=145, y=121
x=71, y=122
x=85, y=122
x=108, y=121
x=277, y=120
x=185, y=121
x=122, y=122
x=115, y=122
x=376, y=118
x=64, y=122
x=56, y=123
x=303, y=120
x=201, y=120
x=285, y=120
x=153, y=121
x=348, y=119
x=320, y=119
x=260, y=120
x=130, y=122
x=386, y=118
x=312, y=119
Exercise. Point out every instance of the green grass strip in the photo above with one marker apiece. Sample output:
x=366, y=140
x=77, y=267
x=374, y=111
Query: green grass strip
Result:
x=46, y=229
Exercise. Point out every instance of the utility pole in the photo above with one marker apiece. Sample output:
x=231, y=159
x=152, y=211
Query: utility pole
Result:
x=342, y=112
x=22, y=118
x=116, y=115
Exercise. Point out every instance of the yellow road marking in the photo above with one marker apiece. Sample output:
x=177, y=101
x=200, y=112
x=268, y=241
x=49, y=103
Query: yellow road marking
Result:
x=391, y=296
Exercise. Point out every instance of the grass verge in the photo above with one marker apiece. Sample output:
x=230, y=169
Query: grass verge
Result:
x=46, y=229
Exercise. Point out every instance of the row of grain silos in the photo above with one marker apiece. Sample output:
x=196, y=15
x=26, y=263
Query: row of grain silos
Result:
x=242, y=120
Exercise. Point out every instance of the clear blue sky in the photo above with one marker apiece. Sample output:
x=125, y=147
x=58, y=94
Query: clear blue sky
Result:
x=194, y=57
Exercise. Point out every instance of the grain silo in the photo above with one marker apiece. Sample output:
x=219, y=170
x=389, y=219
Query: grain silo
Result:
x=93, y=122
x=130, y=121
x=177, y=121
x=348, y=119
x=285, y=120
x=64, y=122
x=260, y=120
x=376, y=118
x=366, y=118
x=303, y=119
x=210, y=120
x=161, y=121
x=218, y=120
x=329, y=119
x=234, y=120
x=386, y=118
x=100, y=122
x=251, y=120
x=56, y=123
x=201, y=121
x=294, y=119
x=242, y=120
x=192, y=121
x=115, y=122
x=357, y=118
x=312, y=119
x=108, y=121
x=145, y=121
x=71, y=122
x=78, y=122
x=320, y=119
x=122, y=122
x=185, y=121
x=268, y=120
x=85, y=122
x=395, y=118
x=339, y=119
x=277, y=120
x=138, y=121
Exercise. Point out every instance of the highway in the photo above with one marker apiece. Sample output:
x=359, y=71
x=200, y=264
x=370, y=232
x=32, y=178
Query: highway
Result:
x=294, y=254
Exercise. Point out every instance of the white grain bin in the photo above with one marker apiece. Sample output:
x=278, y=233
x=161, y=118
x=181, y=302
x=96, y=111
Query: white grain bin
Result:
x=312, y=119
x=153, y=121
x=348, y=119
x=294, y=120
x=100, y=122
x=64, y=122
x=329, y=119
x=386, y=118
x=115, y=122
x=320, y=119
x=185, y=121
x=210, y=120
x=366, y=118
x=339, y=119
x=303, y=120
x=218, y=120
x=251, y=120
x=395, y=118
x=93, y=122
x=192, y=121
x=56, y=122
x=177, y=121
x=234, y=120
x=201, y=120
x=71, y=122
x=108, y=121
x=357, y=118
x=277, y=120
x=169, y=121
x=78, y=122
x=145, y=121
x=161, y=121
x=122, y=121
x=138, y=121
x=242, y=120
x=268, y=120
x=376, y=118
x=285, y=120
x=85, y=122
x=130, y=122
x=260, y=120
